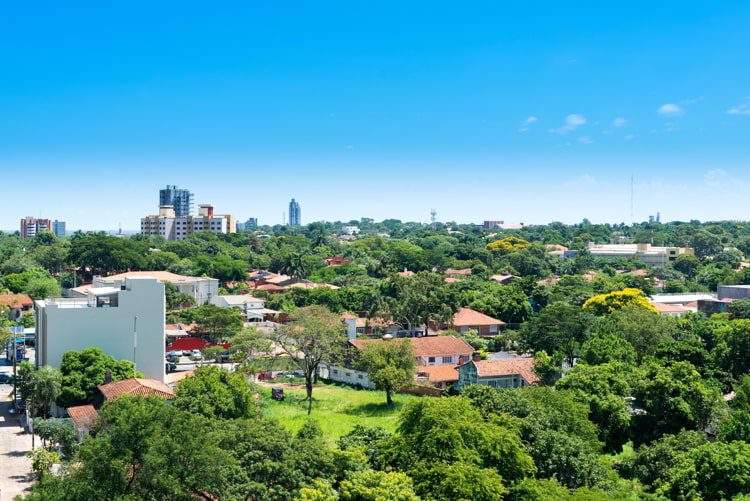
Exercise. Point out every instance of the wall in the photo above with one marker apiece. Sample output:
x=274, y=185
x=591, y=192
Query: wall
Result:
x=343, y=375
x=63, y=329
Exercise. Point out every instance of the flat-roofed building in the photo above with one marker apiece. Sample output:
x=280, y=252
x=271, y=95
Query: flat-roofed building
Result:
x=126, y=322
x=650, y=255
x=201, y=289
x=171, y=226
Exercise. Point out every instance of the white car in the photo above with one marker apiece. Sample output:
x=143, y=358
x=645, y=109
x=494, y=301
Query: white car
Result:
x=196, y=354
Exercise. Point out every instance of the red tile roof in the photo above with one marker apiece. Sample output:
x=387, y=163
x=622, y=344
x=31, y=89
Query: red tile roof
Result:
x=439, y=373
x=463, y=272
x=16, y=301
x=136, y=386
x=271, y=288
x=466, y=317
x=83, y=416
x=669, y=308
x=426, y=346
x=451, y=280
x=524, y=367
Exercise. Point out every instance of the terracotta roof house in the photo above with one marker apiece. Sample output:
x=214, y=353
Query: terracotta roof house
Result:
x=83, y=417
x=464, y=272
x=137, y=387
x=16, y=303
x=271, y=288
x=431, y=351
x=503, y=278
x=451, y=280
x=467, y=319
x=336, y=260
x=498, y=373
x=405, y=273
x=440, y=376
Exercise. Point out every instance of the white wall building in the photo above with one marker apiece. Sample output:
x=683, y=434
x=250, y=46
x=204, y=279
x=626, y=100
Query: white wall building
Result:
x=172, y=227
x=651, y=255
x=253, y=309
x=113, y=319
x=201, y=289
x=351, y=230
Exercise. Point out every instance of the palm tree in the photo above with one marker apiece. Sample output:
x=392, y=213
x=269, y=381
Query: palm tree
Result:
x=294, y=265
x=47, y=385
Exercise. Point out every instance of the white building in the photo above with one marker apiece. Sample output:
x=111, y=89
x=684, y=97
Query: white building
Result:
x=650, y=255
x=201, y=289
x=253, y=309
x=350, y=230
x=126, y=322
x=172, y=227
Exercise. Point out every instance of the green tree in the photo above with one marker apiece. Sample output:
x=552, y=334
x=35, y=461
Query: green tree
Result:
x=215, y=392
x=214, y=323
x=176, y=299
x=605, y=347
x=83, y=370
x=46, y=388
x=566, y=458
x=740, y=308
x=712, y=472
x=687, y=264
x=57, y=433
x=458, y=481
x=312, y=336
x=705, y=244
x=414, y=301
x=390, y=364
x=371, y=485
x=558, y=328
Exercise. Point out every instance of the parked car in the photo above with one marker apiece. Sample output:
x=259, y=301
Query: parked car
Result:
x=170, y=367
x=224, y=357
x=171, y=357
x=6, y=378
x=196, y=353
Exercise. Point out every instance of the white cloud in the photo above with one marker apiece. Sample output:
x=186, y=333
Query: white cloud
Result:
x=619, y=122
x=572, y=122
x=670, y=109
x=585, y=140
x=740, y=109
x=586, y=180
x=526, y=123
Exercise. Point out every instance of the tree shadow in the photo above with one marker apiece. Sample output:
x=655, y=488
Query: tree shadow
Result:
x=373, y=409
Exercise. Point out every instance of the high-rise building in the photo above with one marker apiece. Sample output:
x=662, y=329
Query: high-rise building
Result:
x=181, y=200
x=58, y=228
x=252, y=222
x=31, y=226
x=169, y=225
x=295, y=213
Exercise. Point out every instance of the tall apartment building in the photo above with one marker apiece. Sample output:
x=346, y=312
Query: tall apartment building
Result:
x=126, y=322
x=30, y=226
x=169, y=225
x=248, y=225
x=180, y=199
x=295, y=213
x=58, y=228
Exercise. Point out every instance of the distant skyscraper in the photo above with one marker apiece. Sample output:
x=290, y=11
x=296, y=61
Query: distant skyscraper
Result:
x=58, y=228
x=31, y=226
x=251, y=222
x=295, y=213
x=181, y=200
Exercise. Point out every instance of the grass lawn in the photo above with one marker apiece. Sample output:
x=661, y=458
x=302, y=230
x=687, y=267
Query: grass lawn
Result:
x=336, y=408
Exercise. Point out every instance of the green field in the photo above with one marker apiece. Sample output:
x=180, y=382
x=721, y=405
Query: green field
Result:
x=336, y=408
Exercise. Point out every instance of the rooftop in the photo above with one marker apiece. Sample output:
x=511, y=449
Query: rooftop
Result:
x=425, y=346
x=83, y=416
x=438, y=373
x=524, y=367
x=162, y=276
x=466, y=317
x=16, y=300
x=136, y=386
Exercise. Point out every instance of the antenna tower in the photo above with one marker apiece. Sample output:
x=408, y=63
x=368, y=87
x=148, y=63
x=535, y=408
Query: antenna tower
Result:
x=433, y=217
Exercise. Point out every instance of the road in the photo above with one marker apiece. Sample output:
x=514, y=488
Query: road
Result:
x=15, y=443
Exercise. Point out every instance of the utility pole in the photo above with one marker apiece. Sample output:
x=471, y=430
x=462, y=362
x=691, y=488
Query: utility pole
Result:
x=135, y=341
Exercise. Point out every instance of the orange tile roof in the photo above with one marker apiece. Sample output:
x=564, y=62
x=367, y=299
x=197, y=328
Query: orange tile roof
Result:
x=136, y=386
x=16, y=300
x=426, y=346
x=669, y=308
x=466, y=317
x=439, y=373
x=451, y=280
x=464, y=271
x=175, y=377
x=524, y=367
x=405, y=273
x=83, y=416
x=271, y=288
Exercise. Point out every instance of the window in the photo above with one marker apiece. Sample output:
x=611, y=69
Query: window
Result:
x=335, y=371
x=359, y=376
x=447, y=360
x=431, y=360
x=348, y=374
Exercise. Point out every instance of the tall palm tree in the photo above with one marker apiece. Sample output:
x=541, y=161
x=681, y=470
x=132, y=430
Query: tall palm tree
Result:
x=47, y=384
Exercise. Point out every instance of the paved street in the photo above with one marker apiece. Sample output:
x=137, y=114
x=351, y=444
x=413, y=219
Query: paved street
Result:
x=14, y=444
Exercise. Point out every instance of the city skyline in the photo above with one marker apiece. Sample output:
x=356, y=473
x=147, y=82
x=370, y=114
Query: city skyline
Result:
x=525, y=117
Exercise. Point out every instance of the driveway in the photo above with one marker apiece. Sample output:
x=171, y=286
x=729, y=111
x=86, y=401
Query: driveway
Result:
x=15, y=475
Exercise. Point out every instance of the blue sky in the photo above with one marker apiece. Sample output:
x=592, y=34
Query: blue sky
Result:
x=521, y=111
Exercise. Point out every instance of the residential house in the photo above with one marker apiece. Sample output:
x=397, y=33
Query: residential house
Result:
x=16, y=304
x=252, y=308
x=503, y=278
x=466, y=319
x=83, y=417
x=670, y=310
x=497, y=373
x=429, y=351
x=336, y=260
x=136, y=387
x=439, y=376
x=462, y=273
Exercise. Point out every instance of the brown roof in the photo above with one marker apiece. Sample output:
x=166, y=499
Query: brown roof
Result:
x=439, y=373
x=405, y=273
x=464, y=271
x=278, y=279
x=136, y=386
x=502, y=278
x=175, y=377
x=466, y=317
x=426, y=346
x=669, y=308
x=451, y=280
x=524, y=367
x=83, y=416
x=271, y=288
x=16, y=300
